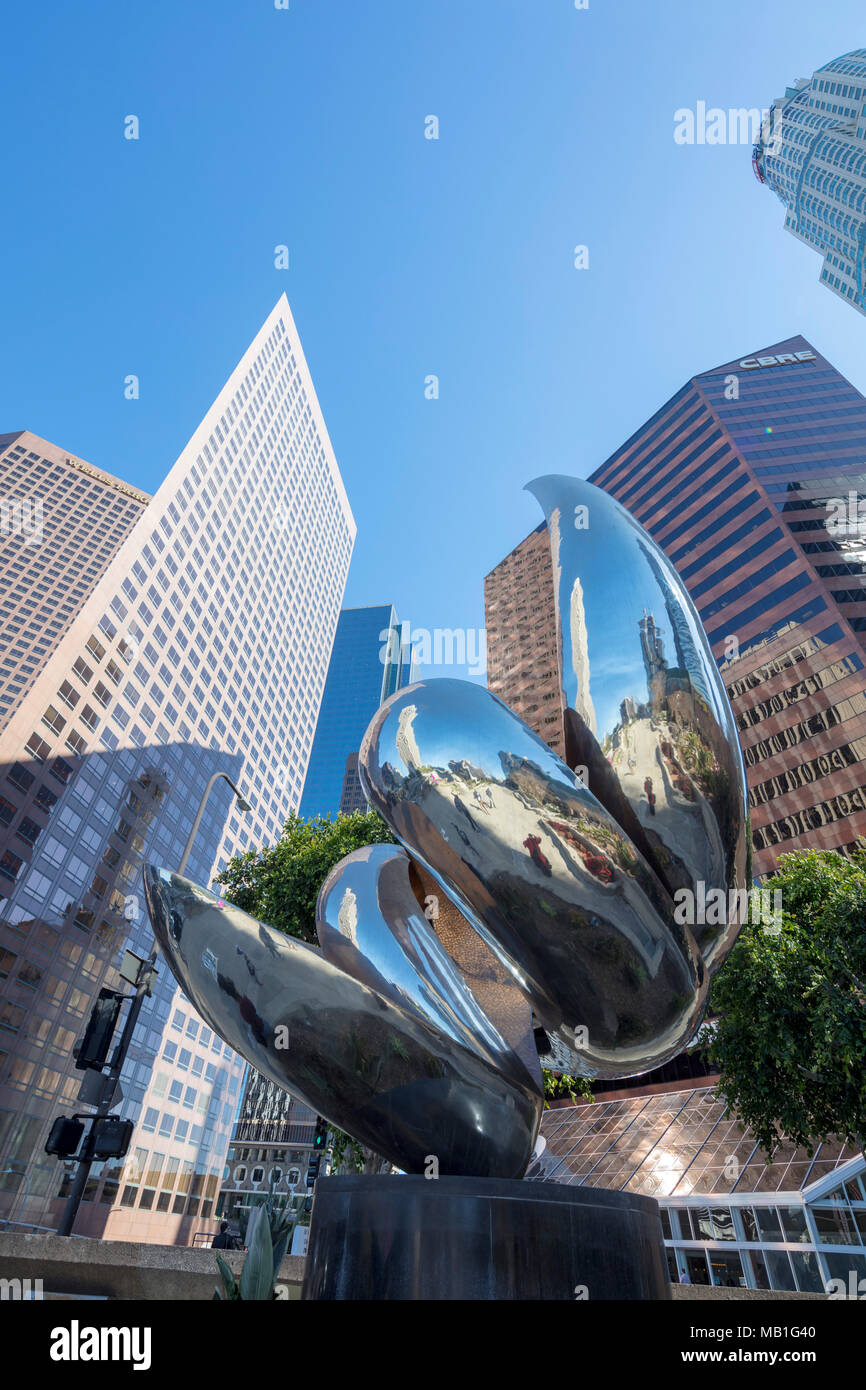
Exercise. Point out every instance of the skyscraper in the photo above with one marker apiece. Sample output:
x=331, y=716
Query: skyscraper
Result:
x=812, y=153
x=747, y=478
x=61, y=523
x=523, y=662
x=368, y=663
x=199, y=646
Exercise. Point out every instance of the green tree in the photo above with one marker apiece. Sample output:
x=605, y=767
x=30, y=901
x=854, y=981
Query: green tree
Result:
x=557, y=1085
x=790, y=1037
x=280, y=884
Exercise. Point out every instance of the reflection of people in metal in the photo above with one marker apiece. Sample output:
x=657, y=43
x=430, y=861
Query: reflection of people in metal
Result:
x=461, y=806
x=533, y=844
x=650, y=794
x=482, y=804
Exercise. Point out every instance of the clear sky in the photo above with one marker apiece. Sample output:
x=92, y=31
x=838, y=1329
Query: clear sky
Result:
x=408, y=256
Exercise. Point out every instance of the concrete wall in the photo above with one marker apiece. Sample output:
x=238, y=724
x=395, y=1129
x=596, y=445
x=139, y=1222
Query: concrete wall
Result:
x=124, y=1269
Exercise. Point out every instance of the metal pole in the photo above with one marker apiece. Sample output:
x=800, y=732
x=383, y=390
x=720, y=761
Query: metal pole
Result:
x=197, y=822
x=85, y=1163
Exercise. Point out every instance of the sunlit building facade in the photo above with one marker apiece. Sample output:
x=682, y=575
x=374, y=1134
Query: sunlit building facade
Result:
x=523, y=660
x=201, y=647
x=270, y=1152
x=812, y=154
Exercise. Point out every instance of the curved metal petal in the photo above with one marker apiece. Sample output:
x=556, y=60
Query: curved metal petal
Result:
x=543, y=872
x=370, y=924
x=372, y=1067
x=646, y=711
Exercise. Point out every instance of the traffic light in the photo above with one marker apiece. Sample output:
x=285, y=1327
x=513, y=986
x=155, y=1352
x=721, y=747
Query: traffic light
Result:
x=320, y=1138
x=313, y=1169
x=94, y=1046
x=110, y=1137
x=64, y=1138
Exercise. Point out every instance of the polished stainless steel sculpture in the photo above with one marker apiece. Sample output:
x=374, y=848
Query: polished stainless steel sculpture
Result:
x=530, y=911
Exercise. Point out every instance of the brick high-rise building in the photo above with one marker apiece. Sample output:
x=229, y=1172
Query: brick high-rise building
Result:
x=749, y=479
x=523, y=662
x=190, y=636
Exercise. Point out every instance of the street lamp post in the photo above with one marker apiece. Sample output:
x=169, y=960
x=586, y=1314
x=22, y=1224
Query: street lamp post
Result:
x=243, y=805
x=144, y=985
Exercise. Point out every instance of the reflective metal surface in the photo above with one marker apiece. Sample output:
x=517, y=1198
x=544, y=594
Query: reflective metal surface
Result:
x=371, y=924
x=540, y=868
x=646, y=711
x=370, y=1065
x=470, y=1239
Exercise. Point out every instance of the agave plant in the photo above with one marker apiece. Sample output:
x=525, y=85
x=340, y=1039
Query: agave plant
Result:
x=267, y=1234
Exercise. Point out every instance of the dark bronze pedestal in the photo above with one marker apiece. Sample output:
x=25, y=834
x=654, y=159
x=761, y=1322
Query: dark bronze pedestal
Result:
x=481, y=1238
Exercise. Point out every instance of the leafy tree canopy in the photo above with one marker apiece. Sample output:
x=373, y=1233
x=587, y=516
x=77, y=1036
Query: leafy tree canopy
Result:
x=280, y=884
x=790, y=1039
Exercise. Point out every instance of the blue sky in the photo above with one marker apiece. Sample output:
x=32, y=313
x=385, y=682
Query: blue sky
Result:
x=408, y=256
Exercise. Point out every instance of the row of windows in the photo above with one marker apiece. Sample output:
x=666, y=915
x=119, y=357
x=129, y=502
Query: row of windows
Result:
x=684, y=502
x=819, y=723
x=747, y=585
x=809, y=685
x=804, y=774
x=748, y=615
x=806, y=648
x=811, y=818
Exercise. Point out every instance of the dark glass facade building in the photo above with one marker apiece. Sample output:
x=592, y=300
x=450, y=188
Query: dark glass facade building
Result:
x=750, y=479
x=368, y=663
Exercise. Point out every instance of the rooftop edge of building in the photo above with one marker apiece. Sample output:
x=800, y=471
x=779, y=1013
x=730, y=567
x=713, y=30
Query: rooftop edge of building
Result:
x=55, y=454
x=796, y=343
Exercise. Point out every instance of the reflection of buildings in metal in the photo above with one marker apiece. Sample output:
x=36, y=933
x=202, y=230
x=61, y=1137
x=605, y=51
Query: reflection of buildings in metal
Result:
x=575, y=911
x=580, y=655
x=395, y=950
x=680, y=790
x=397, y=1082
x=405, y=741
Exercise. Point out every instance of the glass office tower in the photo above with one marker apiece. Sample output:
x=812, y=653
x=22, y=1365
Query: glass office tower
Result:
x=812, y=154
x=201, y=647
x=369, y=662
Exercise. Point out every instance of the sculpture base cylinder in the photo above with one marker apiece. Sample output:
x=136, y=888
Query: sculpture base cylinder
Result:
x=479, y=1238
